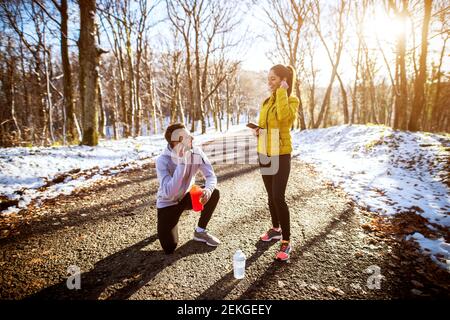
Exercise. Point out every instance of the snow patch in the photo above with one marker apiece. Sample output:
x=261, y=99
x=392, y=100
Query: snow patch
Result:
x=437, y=249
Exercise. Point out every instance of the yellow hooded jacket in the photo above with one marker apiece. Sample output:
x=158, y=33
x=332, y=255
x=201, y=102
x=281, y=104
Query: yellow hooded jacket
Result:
x=277, y=115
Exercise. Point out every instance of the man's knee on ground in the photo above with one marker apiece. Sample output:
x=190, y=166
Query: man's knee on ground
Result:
x=170, y=249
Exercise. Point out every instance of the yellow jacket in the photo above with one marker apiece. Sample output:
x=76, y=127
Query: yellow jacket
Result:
x=277, y=115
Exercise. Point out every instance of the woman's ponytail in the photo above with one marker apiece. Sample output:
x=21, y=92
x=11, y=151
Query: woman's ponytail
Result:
x=290, y=78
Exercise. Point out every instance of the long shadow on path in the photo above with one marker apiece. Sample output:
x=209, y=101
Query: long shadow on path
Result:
x=225, y=285
x=122, y=274
x=278, y=267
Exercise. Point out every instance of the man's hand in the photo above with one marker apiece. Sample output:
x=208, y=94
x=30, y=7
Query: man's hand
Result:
x=184, y=143
x=205, y=196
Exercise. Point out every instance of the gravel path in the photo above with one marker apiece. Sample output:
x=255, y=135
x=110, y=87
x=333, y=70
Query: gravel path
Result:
x=109, y=232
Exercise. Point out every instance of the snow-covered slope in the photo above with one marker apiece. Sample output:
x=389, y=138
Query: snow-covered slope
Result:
x=384, y=170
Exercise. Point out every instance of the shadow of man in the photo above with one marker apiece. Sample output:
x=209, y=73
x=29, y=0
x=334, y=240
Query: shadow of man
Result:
x=122, y=274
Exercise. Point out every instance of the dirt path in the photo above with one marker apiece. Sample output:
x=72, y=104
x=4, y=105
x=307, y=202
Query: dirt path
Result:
x=109, y=232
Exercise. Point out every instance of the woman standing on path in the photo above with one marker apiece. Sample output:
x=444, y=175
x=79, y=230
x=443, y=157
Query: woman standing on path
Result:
x=278, y=113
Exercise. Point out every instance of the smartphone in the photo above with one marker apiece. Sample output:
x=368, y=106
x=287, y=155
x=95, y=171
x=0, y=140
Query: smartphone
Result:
x=252, y=125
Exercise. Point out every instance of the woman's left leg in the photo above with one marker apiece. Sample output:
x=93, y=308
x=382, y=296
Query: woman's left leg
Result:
x=279, y=185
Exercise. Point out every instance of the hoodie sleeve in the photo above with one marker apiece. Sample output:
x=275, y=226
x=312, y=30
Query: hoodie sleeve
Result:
x=208, y=171
x=286, y=107
x=169, y=185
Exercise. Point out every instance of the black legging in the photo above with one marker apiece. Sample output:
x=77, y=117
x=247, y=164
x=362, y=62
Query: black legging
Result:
x=168, y=219
x=276, y=187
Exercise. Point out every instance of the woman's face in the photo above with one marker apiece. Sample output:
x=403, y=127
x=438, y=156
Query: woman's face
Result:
x=273, y=81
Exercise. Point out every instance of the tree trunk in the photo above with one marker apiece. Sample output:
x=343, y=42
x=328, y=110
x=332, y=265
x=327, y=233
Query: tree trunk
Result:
x=300, y=113
x=8, y=124
x=419, y=83
x=180, y=108
x=131, y=86
x=89, y=57
x=115, y=105
x=25, y=87
x=436, y=112
x=402, y=84
x=153, y=107
x=326, y=100
x=71, y=130
x=102, y=113
x=138, y=114
x=48, y=94
x=344, y=100
x=228, y=104
x=199, y=93
x=312, y=104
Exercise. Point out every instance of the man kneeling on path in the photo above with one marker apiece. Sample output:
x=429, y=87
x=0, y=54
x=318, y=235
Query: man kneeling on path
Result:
x=176, y=168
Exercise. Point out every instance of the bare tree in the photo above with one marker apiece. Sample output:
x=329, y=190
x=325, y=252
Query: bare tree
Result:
x=89, y=56
x=401, y=98
x=14, y=12
x=359, y=11
x=335, y=57
x=172, y=62
x=72, y=131
x=200, y=23
x=439, y=112
x=419, y=83
x=310, y=71
x=182, y=21
x=10, y=131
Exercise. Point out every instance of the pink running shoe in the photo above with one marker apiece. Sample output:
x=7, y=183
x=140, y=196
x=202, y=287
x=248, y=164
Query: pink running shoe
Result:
x=270, y=235
x=285, y=251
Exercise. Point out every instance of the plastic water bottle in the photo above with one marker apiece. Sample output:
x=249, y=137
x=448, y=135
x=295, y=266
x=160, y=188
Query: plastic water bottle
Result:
x=239, y=264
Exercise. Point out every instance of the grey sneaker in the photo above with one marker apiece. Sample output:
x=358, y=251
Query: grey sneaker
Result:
x=205, y=236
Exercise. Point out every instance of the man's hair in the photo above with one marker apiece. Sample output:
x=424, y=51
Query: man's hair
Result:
x=169, y=131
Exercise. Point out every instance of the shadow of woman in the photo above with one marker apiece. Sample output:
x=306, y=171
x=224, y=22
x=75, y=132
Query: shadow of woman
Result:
x=122, y=274
x=220, y=289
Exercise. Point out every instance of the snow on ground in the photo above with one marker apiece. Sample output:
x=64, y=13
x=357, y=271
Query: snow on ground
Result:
x=26, y=174
x=384, y=170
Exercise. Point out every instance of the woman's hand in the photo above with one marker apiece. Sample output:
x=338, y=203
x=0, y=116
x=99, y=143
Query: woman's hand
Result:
x=284, y=85
x=256, y=132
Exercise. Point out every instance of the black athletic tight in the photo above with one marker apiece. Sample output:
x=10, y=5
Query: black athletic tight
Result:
x=276, y=187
